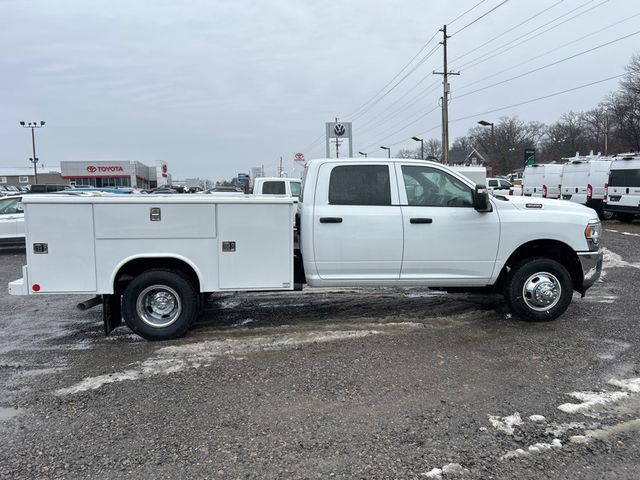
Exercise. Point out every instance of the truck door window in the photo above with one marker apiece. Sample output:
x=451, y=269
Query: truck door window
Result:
x=295, y=189
x=274, y=188
x=9, y=206
x=430, y=187
x=360, y=185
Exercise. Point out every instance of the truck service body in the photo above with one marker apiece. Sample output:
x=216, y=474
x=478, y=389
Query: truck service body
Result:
x=360, y=223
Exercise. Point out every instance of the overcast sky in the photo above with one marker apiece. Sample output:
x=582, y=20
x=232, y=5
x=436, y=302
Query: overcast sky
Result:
x=215, y=87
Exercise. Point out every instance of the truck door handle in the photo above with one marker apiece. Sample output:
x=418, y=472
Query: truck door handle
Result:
x=330, y=220
x=421, y=220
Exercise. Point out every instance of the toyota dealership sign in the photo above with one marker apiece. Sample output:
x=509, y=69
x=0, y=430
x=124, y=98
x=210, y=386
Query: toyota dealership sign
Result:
x=104, y=168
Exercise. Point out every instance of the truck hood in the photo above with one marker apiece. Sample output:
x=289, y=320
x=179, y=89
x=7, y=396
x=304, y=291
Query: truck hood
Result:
x=537, y=204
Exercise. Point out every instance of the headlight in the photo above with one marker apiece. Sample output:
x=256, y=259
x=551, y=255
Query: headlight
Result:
x=593, y=234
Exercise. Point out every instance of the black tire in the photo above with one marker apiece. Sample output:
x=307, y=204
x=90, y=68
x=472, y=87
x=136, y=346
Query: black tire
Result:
x=540, y=275
x=605, y=215
x=626, y=217
x=160, y=304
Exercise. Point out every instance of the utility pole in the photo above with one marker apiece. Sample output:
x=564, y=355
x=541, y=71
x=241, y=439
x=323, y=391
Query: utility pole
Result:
x=606, y=135
x=337, y=144
x=34, y=159
x=280, y=168
x=445, y=98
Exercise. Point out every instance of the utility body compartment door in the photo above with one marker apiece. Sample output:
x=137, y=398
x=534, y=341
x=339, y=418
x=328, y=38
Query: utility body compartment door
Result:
x=357, y=223
x=445, y=238
x=68, y=263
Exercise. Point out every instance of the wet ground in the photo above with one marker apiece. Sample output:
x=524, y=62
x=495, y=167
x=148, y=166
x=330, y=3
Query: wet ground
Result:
x=387, y=383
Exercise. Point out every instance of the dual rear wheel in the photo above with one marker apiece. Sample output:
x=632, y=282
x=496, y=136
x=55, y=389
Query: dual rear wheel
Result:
x=160, y=304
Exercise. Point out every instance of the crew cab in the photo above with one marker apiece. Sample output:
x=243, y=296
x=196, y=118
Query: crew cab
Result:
x=361, y=223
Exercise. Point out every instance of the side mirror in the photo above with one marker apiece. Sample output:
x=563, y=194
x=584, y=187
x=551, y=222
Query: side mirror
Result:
x=20, y=208
x=481, y=199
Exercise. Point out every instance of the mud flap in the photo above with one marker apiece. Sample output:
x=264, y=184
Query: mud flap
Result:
x=111, y=312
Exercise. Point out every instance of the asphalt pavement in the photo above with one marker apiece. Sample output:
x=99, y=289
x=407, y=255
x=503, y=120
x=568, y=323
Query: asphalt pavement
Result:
x=384, y=383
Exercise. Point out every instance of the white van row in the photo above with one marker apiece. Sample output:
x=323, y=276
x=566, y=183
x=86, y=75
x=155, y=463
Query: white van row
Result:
x=606, y=184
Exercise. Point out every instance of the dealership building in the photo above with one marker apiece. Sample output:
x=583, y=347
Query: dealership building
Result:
x=116, y=174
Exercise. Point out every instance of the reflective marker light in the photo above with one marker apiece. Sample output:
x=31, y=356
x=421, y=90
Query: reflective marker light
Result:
x=35, y=287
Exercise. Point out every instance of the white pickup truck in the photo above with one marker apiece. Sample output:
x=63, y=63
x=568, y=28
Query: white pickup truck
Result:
x=151, y=259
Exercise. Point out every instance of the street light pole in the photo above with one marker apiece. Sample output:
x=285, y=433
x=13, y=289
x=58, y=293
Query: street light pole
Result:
x=421, y=140
x=364, y=154
x=388, y=149
x=494, y=163
x=34, y=160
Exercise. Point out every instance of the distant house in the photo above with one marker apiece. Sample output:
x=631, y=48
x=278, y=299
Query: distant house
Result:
x=468, y=158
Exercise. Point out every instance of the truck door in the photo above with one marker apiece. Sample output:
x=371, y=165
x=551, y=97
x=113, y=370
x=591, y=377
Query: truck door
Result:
x=357, y=223
x=444, y=236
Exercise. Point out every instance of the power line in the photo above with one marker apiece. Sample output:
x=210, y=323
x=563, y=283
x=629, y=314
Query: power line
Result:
x=464, y=13
x=479, y=18
x=510, y=30
x=355, y=112
x=506, y=107
x=404, y=127
x=378, y=100
x=510, y=46
x=476, y=115
x=529, y=60
x=551, y=64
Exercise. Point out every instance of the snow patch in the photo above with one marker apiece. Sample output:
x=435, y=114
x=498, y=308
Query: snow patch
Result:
x=168, y=360
x=244, y=322
x=450, y=469
x=537, y=418
x=612, y=260
x=532, y=449
x=589, y=400
x=629, y=384
x=506, y=424
x=558, y=429
x=605, y=432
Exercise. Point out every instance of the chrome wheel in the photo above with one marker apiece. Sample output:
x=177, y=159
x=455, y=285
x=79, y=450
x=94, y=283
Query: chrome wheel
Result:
x=541, y=291
x=158, y=306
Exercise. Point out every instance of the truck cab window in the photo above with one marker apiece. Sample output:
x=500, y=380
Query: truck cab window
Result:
x=360, y=185
x=9, y=206
x=274, y=188
x=430, y=187
x=295, y=189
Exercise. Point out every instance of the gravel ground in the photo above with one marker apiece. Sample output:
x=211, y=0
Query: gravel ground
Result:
x=386, y=383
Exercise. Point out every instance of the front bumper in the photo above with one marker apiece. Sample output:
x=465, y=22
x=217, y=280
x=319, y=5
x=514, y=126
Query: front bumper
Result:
x=591, y=263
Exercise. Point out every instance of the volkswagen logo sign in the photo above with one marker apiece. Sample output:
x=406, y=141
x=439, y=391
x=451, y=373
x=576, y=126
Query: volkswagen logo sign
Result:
x=339, y=129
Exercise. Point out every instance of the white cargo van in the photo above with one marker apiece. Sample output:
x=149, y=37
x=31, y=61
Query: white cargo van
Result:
x=584, y=180
x=623, y=197
x=542, y=180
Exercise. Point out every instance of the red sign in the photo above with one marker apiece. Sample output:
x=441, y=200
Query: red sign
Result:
x=164, y=169
x=299, y=157
x=105, y=168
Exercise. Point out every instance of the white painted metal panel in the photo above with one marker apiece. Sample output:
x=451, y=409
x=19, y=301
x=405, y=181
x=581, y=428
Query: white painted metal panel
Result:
x=134, y=220
x=200, y=253
x=263, y=256
x=67, y=230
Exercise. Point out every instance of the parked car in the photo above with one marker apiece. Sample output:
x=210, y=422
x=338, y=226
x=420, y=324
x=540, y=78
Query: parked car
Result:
x=584, y=180
x=48, y=187
x=623, y=192
x=11, y=220
x=499, y=185
x=542, y=180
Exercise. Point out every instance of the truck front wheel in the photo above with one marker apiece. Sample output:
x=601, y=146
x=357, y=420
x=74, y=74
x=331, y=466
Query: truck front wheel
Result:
x=539, y=289
x=160, y=304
